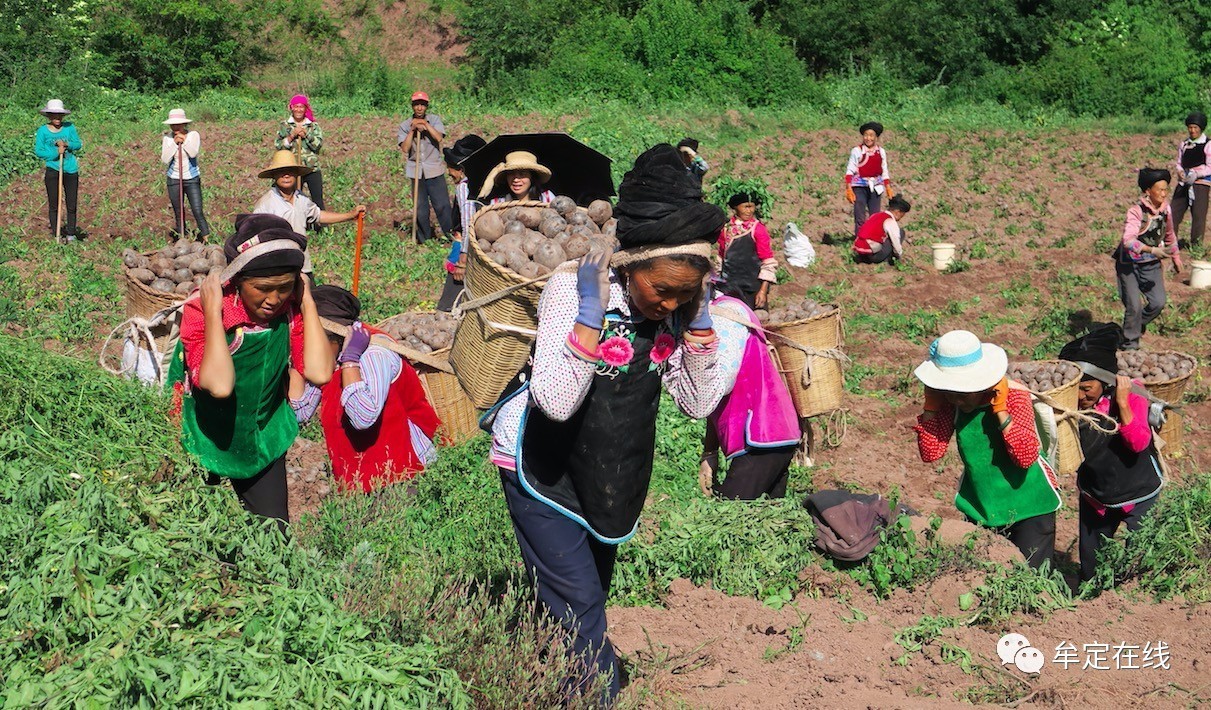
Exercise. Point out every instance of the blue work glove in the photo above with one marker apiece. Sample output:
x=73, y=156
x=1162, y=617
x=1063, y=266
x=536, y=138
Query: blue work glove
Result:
x=702, y=319
x=593, y=287
x=355, y=344
x=456, y=250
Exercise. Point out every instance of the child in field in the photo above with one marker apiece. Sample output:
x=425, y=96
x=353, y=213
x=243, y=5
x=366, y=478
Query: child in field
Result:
x=1193, y=179
x=1120, y=477
x=880, y=238
x=866, y=176
x=1148, y=239
x=181, y=142
x=1007, y=485
x=463, y=208
x=749, y=267
x=240, y=335
x=57, y=144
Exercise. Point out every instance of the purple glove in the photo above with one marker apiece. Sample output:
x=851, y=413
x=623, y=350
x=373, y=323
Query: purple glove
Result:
x=702, y=319
x=593, y=287
x=355, y=344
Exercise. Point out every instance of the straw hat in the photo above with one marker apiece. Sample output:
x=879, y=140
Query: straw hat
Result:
x=176, y=117
x=959, y=362
x=517, y=160
x=54, y=106
x=283, y=161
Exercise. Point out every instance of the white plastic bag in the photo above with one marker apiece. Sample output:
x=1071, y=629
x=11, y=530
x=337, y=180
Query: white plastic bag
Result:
x=797, y=247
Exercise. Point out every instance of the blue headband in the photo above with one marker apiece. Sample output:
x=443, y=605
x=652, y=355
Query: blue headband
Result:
x=940, y=360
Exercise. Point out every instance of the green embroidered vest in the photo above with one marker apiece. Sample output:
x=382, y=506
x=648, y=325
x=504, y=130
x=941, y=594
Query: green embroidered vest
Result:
x=995, y=491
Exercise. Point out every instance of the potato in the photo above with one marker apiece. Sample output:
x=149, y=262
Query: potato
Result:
x=489, y=226
x=184, y=289
x=199, y=265
x=163, y=285
x=510, y=214
x=509, y=242
x=546, y=213
x=164, y=270
x=182, y=275
x=576, y=247
x=577, y=217
x=582, y=230
x=530, y=242
x=143, y=276
x=563, y=205
x=553, y=226
x=550, y=255
x=485, y=245
x=529, y=270
x=130, y=258
x=217, y=258
x=514, y=227
x=610, y=228
x=600, y=211
x=529, y=216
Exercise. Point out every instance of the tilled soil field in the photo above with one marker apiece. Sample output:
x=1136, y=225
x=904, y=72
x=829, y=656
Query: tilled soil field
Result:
x=1034, y=217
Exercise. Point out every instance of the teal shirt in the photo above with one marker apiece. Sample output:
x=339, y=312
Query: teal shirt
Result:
x=45, y=148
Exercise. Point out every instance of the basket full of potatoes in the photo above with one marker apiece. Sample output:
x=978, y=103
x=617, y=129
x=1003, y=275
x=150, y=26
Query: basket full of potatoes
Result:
x=158, y=279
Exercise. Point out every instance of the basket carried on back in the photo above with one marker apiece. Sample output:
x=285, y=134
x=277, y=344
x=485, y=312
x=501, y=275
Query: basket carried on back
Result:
x=143, y=301
x=1172, y=391
x=1069, y=455
x=493, y=340
x=815, y=378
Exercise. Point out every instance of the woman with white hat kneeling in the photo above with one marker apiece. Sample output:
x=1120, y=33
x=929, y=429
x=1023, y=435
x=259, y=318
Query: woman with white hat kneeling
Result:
x=1006, y=484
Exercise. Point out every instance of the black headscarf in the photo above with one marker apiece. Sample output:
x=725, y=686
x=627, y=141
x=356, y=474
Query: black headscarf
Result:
x=1198, y=118
x=740, y=198
x=690, y=143
x=1098, y=347
x=871, y=126
x=1151, y=176
x=336, y=304
x=253, y=229
x=660, y=203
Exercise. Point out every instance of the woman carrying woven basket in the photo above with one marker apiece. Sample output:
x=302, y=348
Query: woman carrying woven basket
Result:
x=240, y=335
x=749, y=267
x=1120, y=478
x=575, y=442
x=378, y=424
x=1007, y=485
x=519, y=177
x=755, y=424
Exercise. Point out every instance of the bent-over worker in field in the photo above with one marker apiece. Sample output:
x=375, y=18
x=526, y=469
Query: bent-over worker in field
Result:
x=575, y=442
x=241, y=333
x=749, y=267
x=1007, y=485
x=880, y=238
x=423, y=132
x=519, y=177
x=1148, y=239
x=378, y=424
x=1119, y=479
x=286, y=201
x=755, y=424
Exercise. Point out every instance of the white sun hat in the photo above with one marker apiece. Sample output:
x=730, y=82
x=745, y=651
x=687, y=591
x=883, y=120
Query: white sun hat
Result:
x=54, y=106
x=959, y=362
x=176, y=116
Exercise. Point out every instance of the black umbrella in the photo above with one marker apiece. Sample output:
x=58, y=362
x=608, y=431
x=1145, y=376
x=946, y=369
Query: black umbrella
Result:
x=577, y=170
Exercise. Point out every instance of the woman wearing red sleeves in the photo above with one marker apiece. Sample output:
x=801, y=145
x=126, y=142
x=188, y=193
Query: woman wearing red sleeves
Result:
x=748, y=258
x=1006, y=483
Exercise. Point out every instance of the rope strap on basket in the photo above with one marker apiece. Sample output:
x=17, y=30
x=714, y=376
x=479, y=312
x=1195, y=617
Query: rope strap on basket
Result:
x=1092, y=417
x=833, y=353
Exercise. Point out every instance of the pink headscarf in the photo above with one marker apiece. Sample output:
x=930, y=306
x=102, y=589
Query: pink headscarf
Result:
x=301, y=99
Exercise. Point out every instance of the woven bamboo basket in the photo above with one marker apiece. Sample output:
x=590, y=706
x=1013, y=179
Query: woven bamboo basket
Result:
x=460, y=420
x=143, y=301
x=493, y=341
x=1172, y=391
x=1069, y=456
x=816, y=383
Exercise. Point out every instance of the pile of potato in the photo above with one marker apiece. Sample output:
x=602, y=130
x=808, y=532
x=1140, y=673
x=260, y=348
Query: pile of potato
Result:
x=1043, y=376
x=532, y=241
x=177, y=268
x=1154, y=367
x=794, y=312
x=424, y=332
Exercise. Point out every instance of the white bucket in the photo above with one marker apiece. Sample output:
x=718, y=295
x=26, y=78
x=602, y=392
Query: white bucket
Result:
x=943, y=255
x=1200, y=274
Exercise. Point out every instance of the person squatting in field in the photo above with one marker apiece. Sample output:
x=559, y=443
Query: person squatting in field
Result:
x=1148, y=239
x=574, y=435
x=179, y=150
x=880, y=239
x=755, y=423
x=1007, y=485
x=1119, y=479
x=56, y=144
x=749, y=267
x=241, y=334
x=866, y=175
x=1193, y=179
x=379, y=426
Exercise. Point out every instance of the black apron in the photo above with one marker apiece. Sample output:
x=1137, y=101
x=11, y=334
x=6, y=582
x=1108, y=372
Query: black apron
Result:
x=1194, y=156
x=1113, y=474
x=596, y=466
x=741, y=267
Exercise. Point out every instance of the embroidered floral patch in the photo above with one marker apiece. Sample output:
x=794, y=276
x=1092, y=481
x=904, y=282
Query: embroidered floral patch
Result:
x=616, y=352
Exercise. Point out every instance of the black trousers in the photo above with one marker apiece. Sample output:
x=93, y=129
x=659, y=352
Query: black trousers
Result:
x=263, y=494
x=1035, y=537
x=868, y=202
x=450, y=293
x=432, y=190
x=193, y=193
x=758, y=472
x=571, y=572
x=1198, y=210
x=1096, y=529
x=314, y=182
x=884, y=254
x=71, y=190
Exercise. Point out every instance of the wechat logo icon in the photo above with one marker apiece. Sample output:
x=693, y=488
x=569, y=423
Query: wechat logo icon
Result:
x=1016, y=649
